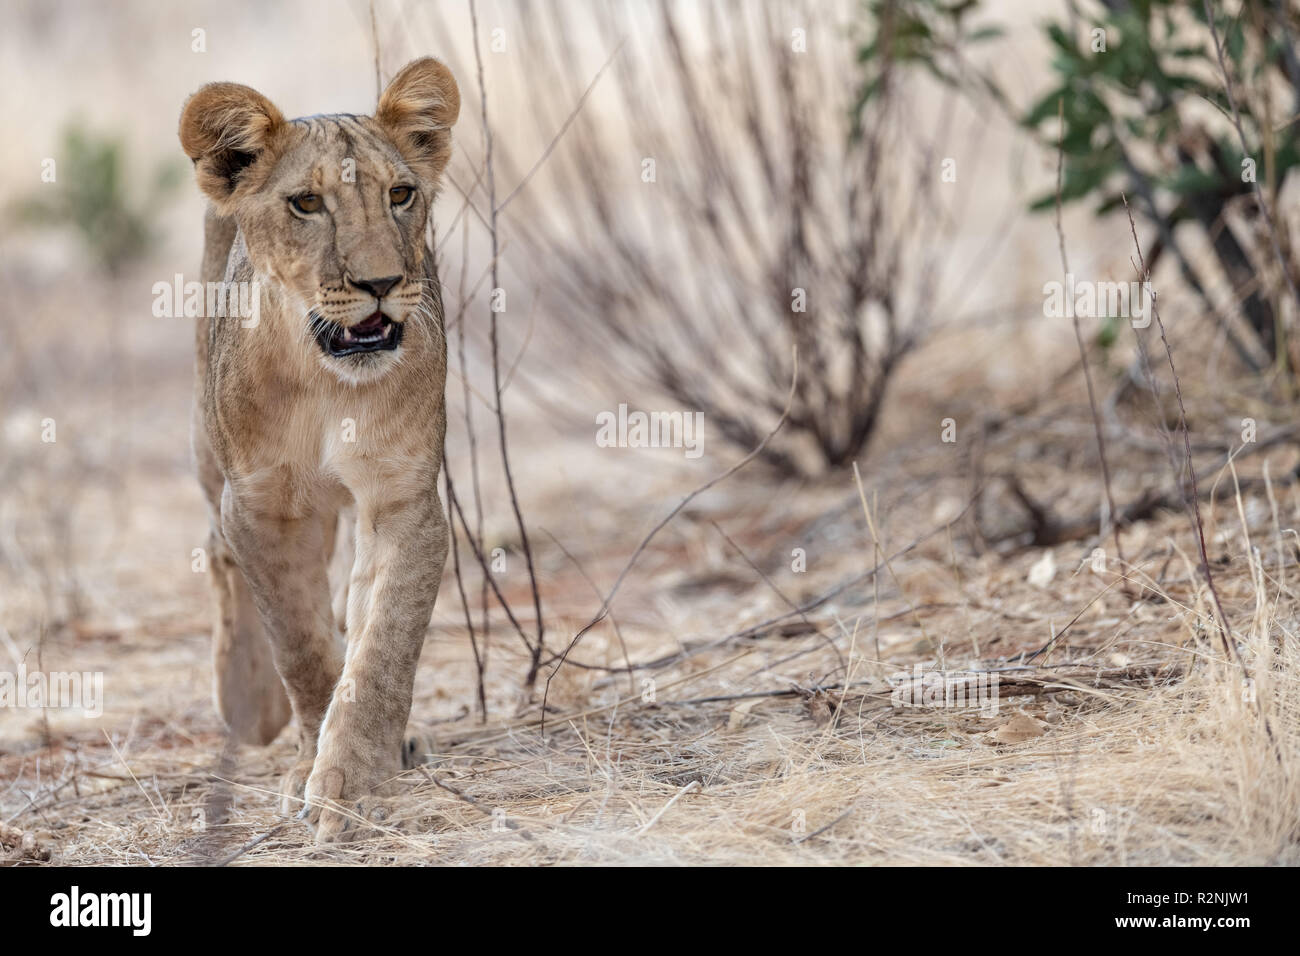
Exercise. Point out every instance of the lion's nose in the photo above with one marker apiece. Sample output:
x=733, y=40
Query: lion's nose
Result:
x=376, y=287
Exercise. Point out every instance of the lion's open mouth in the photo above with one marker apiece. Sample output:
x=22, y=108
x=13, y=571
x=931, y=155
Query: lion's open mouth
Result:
x=375, y=333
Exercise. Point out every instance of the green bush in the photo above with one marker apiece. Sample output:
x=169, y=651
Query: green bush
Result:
x=90, y=196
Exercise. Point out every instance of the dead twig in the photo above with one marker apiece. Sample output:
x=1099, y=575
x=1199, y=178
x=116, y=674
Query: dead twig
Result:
x=469, y=801
x=1111, y=517
x=1192, y=500
x=1245, y=151
x=253, y=843
x=779, y=593
x=539, y=646
x=609, y=598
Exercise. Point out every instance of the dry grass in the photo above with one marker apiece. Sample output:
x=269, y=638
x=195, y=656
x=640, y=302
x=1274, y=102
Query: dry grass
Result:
x=1171, y=769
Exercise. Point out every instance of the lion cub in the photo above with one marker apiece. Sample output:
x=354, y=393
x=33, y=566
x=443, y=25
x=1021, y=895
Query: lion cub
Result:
x=332, y=399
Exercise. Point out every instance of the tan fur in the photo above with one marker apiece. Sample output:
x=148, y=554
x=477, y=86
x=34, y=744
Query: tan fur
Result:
x=271, y=417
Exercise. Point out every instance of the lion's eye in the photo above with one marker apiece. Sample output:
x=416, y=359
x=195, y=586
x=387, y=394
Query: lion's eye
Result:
x=307, y=203
x=400, y=195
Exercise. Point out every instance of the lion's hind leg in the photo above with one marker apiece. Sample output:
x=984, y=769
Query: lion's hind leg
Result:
x=247, y=690
x=249, y=694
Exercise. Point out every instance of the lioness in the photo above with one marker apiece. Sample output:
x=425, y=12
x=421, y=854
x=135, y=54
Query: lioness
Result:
x=333, y=399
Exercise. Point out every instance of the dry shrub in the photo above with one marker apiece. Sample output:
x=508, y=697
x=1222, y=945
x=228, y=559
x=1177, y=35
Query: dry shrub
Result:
x=718, y=201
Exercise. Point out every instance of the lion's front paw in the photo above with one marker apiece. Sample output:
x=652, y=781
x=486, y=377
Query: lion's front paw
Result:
x=341, y=805
x=374, y=816
x=344, y=822
x=293, y=787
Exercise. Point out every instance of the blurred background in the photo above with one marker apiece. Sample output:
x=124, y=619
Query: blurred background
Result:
x=683, y=193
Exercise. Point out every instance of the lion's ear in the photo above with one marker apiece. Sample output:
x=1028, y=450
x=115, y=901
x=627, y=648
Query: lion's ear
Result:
x=419, y=109
x=225, y=129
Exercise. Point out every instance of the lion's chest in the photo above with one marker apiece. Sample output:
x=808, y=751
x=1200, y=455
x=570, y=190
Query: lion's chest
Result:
x=334, y=443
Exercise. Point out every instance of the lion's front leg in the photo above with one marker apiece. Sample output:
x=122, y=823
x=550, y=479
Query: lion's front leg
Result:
x=282, y=557
x=400, y=550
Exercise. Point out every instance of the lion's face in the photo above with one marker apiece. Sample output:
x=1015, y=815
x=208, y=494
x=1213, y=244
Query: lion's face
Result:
x=332, y=209
x=339, y=226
